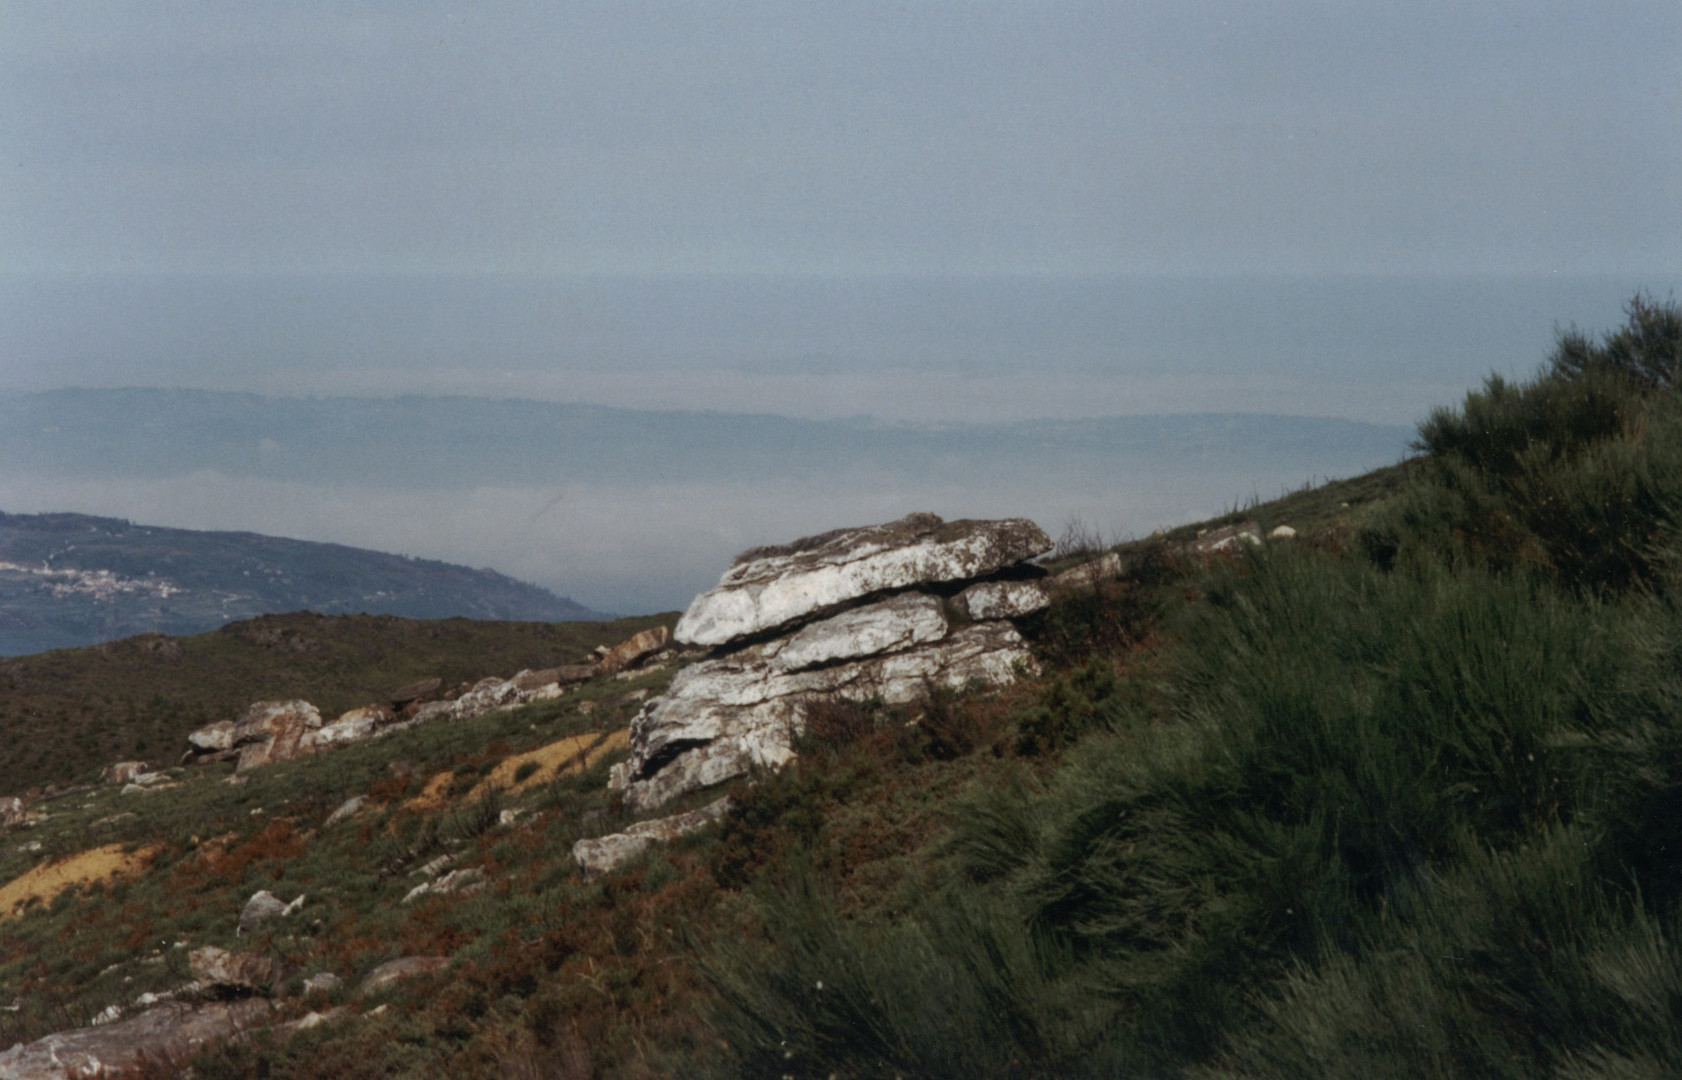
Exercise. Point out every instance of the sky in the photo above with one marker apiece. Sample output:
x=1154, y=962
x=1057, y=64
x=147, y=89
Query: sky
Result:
x=974, y=137
x=927, y=212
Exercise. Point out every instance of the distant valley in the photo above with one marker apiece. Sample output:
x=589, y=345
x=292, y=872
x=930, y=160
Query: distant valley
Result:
x=70, y=579
x=628, y=510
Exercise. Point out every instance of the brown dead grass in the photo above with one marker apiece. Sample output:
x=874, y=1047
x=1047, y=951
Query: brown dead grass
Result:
x=573, y=754
x=45, y=882
x=434, y=795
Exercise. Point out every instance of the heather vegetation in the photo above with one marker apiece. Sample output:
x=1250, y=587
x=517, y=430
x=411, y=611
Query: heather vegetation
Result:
x=1400, y=796
x=65, y=714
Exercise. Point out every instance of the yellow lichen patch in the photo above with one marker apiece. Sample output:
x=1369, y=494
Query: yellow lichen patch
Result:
x=102, y=864
x=431, y=796
x=573, y=754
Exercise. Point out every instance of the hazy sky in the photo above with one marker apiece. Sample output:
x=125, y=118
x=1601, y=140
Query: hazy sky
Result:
x=1183, y=136
x=927, y=211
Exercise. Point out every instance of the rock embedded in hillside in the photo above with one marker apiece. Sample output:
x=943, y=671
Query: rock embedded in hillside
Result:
x=273, y=731
x=1104, y=568
x=857, y=614
x=353, y=726
x=236, y=972
x=767, y=589
x=123, y=772
x=168, y=1032
x=213, y=737
x=395, y=971
x=13, y=811
x=263, y=906
x=729, y=715
x=600, y=854
x=322, y=982
x=347, y=810
x=464, y=882
x=633, y=650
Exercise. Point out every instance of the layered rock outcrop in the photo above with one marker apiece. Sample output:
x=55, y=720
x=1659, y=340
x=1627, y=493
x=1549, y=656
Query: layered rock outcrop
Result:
x=876, y=613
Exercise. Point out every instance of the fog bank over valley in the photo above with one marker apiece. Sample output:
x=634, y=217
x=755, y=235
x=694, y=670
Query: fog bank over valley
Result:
x=625, y=510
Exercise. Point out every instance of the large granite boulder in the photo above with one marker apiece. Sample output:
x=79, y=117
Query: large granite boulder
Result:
x=770, y=588
x=858, y=614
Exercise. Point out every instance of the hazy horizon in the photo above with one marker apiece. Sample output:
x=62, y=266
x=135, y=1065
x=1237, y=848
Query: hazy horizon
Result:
x=956, y=212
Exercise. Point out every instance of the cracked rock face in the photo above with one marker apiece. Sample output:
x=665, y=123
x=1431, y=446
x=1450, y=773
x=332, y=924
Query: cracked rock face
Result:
x=861, y=616
x=771, y=588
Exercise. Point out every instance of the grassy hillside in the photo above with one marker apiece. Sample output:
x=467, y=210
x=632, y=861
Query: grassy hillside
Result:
x=1398, y=797
x=66, y=714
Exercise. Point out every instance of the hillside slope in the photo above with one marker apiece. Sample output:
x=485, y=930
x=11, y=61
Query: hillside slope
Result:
x=1393, y=792
x=64, y=714
x=71, y=579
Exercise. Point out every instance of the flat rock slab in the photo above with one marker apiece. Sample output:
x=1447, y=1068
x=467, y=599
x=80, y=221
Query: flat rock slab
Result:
x=771, y=588
x=168, y=1032
x=603, y=853
x=394, y=971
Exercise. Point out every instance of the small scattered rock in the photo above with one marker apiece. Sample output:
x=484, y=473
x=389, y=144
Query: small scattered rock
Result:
x=263, y=906
x=322, y=982
x=1103, y=568
x=457, y=882
x=394, y=971
x=1227, y=539
x=124, y=772
x=347, y=810
x=1282, y=532
x=13, y=811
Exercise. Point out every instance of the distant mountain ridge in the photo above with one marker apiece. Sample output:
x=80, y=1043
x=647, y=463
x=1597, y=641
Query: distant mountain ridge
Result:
x=72, y=579
x=445, y=442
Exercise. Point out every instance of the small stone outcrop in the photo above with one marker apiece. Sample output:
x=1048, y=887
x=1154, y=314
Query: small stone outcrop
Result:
x=263, y=907
x=171, y=1031
x=603, y=853
x=394, y=971
x=235, y=972
x=463, y=882
x=633, y=650
x=882, y=612
x=273, y=731
x=124, y=772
